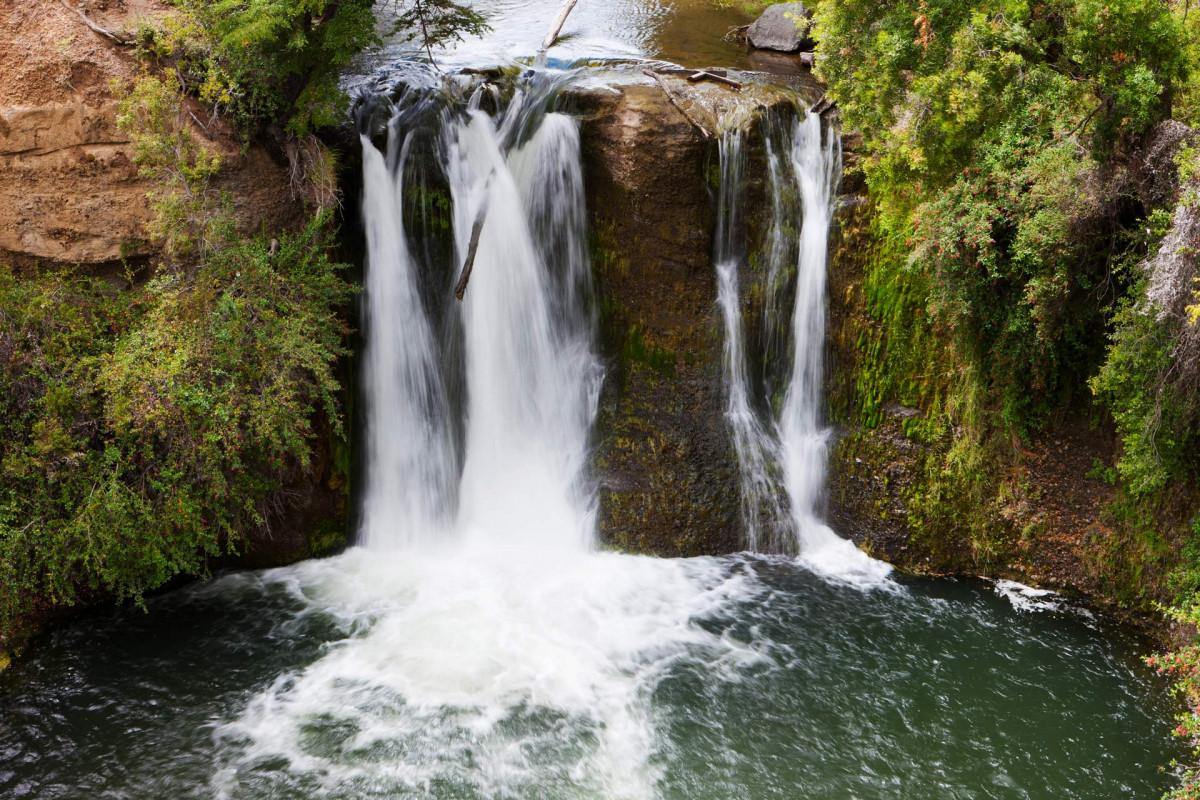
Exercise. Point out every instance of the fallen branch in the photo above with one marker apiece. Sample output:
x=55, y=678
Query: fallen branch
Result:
x=675, y=103
x=705, y=75
x=460, y=288
x=560, y=19
x=102, y=31
x=822, y=106
x=677, y=72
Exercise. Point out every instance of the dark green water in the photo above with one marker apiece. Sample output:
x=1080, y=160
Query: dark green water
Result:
x=589, y=676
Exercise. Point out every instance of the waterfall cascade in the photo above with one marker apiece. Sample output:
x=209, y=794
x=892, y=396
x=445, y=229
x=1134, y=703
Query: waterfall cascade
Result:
x=531, y=378
x=762, y=500
x=477, y=646
x=487, y=649
x=791, y=449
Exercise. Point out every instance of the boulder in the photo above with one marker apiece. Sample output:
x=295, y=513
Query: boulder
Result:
x=783, y=27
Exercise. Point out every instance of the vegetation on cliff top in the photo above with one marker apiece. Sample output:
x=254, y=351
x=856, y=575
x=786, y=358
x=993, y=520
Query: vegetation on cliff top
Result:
x=279, y=62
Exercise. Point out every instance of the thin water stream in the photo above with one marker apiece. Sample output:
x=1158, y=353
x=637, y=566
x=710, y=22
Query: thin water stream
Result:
x=477, y=644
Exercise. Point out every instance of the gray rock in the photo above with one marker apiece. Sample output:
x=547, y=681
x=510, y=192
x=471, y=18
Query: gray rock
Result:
x=1155, y=171
x=782, y=27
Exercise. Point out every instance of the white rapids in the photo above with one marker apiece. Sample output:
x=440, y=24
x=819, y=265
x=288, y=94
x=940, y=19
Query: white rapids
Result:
x=487, y=648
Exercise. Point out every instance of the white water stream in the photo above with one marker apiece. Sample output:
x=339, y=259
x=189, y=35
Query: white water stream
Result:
x=817, y=162
x=791, y=450
x=488, y=646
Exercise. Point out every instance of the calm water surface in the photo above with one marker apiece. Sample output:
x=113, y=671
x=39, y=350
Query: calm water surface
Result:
x=687, y=32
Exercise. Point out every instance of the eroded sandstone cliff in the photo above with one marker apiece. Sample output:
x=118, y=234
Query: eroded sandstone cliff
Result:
x=69, y=190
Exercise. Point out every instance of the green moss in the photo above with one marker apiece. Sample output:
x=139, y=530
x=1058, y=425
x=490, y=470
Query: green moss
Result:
x=637, y=350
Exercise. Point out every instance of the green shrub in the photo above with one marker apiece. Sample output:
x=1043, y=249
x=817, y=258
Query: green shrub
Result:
x=147, y=430
x=278, y=62
x=189, y=217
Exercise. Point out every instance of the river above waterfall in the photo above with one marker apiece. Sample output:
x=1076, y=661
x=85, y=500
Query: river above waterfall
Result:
x=686, y=32
x=593, y=676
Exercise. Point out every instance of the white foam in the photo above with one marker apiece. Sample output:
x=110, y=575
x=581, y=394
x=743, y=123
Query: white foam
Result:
x=454, y=649
x=1027, y=599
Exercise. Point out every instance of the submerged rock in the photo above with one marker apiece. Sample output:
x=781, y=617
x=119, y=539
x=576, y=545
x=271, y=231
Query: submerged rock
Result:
x=783, y=27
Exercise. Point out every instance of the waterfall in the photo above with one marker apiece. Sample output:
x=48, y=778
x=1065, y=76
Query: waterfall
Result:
x=796, y=445
x=817, y=162
x=532, y=381
x=756, y=449
x=409, y=455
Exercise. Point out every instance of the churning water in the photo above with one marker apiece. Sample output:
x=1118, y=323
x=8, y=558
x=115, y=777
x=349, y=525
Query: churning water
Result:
x=477, y=645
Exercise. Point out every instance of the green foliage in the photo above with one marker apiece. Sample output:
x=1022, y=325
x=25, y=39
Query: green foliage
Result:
x=1158, y=426
x=278, y=62
x=925, y=80
x=978, y=119
x=265, y=61
x=1005, y=242
x=984, y=124
x=438, y=22
x=147, y=430
x=189, y=217
x=1183, y=665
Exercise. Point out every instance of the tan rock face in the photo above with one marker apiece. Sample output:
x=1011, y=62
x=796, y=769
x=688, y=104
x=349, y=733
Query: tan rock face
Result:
x=69, y=191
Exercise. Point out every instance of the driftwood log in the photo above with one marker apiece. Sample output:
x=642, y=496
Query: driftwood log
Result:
x=460, y=288
x=705, y=75
x=560, y=19
x=822, y=106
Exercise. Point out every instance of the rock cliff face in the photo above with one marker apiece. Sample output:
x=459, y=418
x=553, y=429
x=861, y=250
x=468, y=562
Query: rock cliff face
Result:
x=666, y=466
x=69, y=191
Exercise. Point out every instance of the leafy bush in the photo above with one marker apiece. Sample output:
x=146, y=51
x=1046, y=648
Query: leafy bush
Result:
x=145, y=431
x=1183, y=665
x=1006, y=233
x=278, y=62
x=189, y=218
